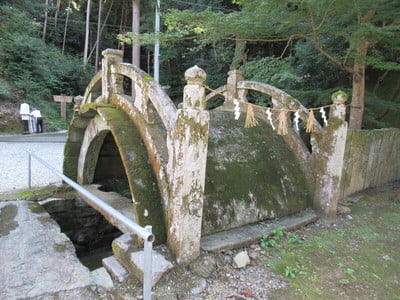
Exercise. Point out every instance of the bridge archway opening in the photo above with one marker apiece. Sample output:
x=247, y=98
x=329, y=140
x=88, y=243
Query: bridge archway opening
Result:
x=109, y=171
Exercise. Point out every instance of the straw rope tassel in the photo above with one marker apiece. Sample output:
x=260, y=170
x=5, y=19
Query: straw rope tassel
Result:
x=251, y=120
x=311, y=122
x=282, y=126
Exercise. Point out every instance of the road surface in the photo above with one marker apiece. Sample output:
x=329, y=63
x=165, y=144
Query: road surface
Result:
x=14, y=159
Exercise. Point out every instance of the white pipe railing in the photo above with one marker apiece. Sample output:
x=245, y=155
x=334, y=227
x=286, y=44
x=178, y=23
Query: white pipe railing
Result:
x=143, y=232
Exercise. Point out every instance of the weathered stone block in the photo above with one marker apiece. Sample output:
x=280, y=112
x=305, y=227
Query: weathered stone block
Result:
x=160, y=265
x=115, y=268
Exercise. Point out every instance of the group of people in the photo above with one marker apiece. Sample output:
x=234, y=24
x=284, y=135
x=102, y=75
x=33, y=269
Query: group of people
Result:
x=32, y=120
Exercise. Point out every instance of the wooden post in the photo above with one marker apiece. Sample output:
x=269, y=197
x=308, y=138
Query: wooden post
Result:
x=63, y=100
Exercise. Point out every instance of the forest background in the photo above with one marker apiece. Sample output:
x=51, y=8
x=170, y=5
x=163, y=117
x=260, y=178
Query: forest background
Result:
x=308, y=48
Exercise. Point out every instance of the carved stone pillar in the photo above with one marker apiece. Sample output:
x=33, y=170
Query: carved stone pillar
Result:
x=187, y=146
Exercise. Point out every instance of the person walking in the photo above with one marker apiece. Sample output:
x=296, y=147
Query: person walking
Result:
x=39, y=120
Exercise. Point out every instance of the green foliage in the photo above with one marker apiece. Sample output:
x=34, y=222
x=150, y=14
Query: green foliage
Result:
x=271, y=240
x=294, y=239
x=321, y=39
x=271, y=70
x=32, y=71
x=313, y=70
x=358, y=253
x=290, y=272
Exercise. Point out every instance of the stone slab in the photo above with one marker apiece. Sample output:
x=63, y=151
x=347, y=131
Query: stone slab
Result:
x=102, y=278
x=36, y=258
x=116, y=201
x=115, y=268
x=160, y=265
x=246, y=235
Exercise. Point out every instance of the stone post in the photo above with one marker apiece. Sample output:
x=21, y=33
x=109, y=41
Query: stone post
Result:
x=111, y=83
x=187, y=147
x=234, y=77
x=77, y=103
x=328, y=156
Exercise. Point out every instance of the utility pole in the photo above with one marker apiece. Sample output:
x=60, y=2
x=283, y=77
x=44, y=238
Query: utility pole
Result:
x=135, y=48
x=85, y=53
x=97, y=59
x=157, y=44
x=135, y=30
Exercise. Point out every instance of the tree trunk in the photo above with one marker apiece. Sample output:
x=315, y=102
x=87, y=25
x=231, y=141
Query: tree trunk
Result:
x=396, y=92
x=239, y=56
x=123, y=20
x=98, y=35
x=57, y=11
x=45, y=20
x=357, y=101
x=86, y=49
x=65, y=28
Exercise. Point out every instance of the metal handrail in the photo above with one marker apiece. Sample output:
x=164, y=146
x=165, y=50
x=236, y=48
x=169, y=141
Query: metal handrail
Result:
x=143, y=232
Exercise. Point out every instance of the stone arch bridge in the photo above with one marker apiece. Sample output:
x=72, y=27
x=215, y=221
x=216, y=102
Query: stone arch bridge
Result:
x=193, y=171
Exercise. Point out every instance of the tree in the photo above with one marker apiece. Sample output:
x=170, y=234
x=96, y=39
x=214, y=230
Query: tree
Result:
x=33, y=71
x=45, y=19
x=364, y=33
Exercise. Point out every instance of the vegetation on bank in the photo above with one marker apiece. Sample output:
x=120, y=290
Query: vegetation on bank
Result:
x=355, y=257
x=42, y=55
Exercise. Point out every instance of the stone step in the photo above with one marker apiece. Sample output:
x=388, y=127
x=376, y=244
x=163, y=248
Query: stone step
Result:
x=115, y=268
x=249, y=234
x=102, y=278
x=160, y=265
x=128, y=253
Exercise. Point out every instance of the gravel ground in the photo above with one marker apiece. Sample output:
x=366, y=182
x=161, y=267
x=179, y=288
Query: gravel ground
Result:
x=14, y=161
x=211, y=277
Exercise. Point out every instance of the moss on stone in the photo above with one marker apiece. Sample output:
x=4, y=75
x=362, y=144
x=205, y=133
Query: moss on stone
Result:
x=36, y=208
x=60, y=247
x=140, y=174
x=252, y=169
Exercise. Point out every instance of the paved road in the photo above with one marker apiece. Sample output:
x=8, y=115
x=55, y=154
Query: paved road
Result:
x=14, y=159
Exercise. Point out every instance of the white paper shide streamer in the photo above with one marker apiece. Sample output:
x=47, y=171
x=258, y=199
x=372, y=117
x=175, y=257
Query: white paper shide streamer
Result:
x=236, y=109
x=296, y=120
x=323, y=115
x=269, y=117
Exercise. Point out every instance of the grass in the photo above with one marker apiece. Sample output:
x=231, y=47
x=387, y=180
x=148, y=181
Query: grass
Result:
x=354, y=258
x=30, y=195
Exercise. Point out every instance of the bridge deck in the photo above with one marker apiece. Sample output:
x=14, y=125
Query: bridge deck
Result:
x=115, y=200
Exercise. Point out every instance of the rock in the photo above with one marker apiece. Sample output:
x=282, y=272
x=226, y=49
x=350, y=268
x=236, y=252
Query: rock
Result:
x=204, y=266
x=200, y=288
x=343, y=210
x=160, y=265
x=115, y=268
x=101, y=277
x=36, y=258
x=241, y=259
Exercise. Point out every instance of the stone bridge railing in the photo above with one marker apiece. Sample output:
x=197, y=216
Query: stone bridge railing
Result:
x=323, y=163
x=178, y=159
